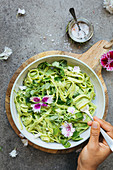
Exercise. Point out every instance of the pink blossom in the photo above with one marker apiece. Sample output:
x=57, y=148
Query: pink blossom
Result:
x=67, y=129
x=71, y=110
x=47, y=99
x=35, y=99
x=106, y=61
x=44, y=105
x=36, y=107
x=76, y=69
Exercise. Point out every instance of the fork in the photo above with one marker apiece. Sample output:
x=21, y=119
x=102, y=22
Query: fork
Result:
x=108, y=139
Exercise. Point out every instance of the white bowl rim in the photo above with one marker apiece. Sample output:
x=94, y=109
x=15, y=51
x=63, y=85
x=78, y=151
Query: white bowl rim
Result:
x=49, y=56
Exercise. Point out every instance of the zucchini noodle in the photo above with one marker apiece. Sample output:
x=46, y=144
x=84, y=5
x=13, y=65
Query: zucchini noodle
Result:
x=68, y=89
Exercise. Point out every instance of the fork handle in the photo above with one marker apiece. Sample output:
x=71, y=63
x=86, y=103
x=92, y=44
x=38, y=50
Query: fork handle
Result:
x=108, y=139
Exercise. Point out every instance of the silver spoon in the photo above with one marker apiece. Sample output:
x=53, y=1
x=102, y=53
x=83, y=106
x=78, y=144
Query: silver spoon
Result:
x=108, y=139
x=72, y=11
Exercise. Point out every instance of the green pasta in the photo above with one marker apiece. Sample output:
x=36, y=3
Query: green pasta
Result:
x=50, y=100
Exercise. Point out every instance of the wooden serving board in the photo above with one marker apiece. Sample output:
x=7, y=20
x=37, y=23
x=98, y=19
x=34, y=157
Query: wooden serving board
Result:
x=91, y=58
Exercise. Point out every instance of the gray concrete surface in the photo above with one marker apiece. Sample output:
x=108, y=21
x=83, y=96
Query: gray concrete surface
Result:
x=25, y=36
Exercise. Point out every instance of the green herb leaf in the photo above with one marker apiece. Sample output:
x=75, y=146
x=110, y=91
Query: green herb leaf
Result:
x=77, y=139
x=58, y=78
x=56, y=131
x=75, y=135
x=67, y=145
x=63, y=63
x=46, y=86
x=1, y=148
x=42, y=66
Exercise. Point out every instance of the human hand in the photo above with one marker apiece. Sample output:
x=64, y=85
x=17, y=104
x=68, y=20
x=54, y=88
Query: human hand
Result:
x=95, y=152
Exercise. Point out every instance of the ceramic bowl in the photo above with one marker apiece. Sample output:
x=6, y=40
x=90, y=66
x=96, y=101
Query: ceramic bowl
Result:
x=99, y=99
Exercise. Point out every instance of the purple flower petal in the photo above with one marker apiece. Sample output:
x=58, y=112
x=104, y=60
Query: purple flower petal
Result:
x=110, y=67
x=107, y=61
x=47, y=99
x=36, y=107
x=35, y=99
x=44, y=105
x=104, y=61
x=110, y=55
x=76, y=69
x=111, y=64
x=67, y=129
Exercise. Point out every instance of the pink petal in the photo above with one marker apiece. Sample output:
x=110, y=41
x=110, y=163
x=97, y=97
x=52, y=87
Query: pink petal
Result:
x=110, y=66
x=47, y=99
x=110, y=55
x=35, y=99
x=104, y=61
x=44, y=105
x=76, y=69
x=36, y=107
x=107, y=61
x=67, y=129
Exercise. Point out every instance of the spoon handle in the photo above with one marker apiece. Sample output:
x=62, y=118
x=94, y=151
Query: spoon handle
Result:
x=72, y=11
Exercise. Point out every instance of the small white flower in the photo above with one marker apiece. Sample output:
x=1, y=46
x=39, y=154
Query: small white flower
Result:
x=71, y=110
x=108, y=5
x=21, y=135
x=22, y=87
x=70, y=68
x=7, y=52
x=13, y=153
x=37, y=135
x=76, y=69
x=21, y=12
x=67, y=129
x=25, y=142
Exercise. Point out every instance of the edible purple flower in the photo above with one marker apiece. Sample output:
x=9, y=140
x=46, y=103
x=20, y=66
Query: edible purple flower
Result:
x=47, y=99
x=76, y=69
x=44, y=105
x=106, y=61
x=67, y=129
x=36, y=107
x=40, y=103
x=35, y=99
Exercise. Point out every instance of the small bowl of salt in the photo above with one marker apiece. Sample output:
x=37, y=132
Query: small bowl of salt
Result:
x=82, y=33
